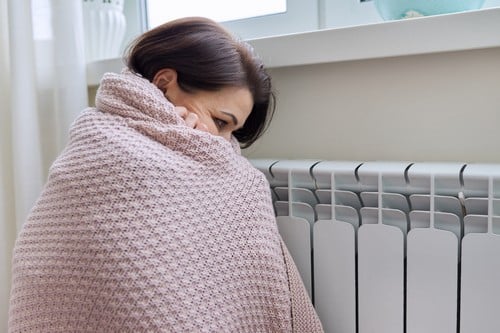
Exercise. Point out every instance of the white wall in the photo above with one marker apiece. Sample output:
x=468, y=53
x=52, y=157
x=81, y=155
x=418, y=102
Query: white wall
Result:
x=433, y=107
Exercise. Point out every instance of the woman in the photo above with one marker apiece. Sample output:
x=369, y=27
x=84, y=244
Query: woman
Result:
x=151, y=220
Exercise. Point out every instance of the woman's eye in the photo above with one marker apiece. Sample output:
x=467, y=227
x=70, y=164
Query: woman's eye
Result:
x=220, y=123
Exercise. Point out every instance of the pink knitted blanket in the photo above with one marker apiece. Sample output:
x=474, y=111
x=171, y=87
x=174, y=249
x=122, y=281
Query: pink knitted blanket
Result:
x=147, y=225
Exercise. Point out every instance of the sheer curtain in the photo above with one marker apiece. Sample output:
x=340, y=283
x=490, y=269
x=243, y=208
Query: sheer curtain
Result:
x=42, y=89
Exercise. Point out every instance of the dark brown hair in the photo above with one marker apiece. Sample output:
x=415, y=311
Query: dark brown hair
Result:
x=207, y=57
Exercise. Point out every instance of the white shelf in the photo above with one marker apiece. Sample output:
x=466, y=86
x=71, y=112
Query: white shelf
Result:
x=441, y=33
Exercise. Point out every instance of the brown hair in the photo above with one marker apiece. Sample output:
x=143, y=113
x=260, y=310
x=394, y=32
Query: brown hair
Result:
x=207, y=57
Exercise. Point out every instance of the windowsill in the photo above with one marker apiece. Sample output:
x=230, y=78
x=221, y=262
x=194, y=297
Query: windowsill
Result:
x=441, y=33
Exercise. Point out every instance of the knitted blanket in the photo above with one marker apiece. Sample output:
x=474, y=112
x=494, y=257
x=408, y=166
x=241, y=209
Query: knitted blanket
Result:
x=147, y=225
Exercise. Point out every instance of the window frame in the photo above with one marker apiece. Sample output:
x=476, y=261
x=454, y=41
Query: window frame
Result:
x=345, y=13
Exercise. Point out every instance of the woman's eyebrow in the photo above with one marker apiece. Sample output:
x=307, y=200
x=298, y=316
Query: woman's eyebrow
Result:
x=235, y=120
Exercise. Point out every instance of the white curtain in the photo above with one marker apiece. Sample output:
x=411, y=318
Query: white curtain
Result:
x=42, y=89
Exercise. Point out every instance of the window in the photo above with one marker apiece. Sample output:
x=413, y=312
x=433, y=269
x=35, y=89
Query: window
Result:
x=247, y=18
x=251, y=19
x=254, y=19
x=160, y=11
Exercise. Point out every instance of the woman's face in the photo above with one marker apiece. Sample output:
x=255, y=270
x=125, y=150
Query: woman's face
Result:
x=222, y=112
x=219, y=112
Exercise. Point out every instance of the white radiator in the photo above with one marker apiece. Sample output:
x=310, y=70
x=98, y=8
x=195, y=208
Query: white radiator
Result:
x=393, y=247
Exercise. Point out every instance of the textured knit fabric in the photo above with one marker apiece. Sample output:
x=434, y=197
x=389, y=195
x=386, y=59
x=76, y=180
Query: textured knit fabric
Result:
x=147, y=225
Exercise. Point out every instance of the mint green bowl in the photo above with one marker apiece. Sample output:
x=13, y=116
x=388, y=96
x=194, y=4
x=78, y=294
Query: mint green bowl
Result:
x=398, y=9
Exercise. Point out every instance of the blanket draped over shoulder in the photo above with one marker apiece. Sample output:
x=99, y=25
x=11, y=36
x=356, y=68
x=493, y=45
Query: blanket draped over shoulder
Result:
x=147, y=225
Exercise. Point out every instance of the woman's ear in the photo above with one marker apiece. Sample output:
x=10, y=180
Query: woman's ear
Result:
x=165, y=78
